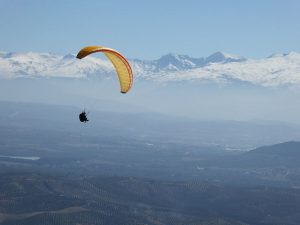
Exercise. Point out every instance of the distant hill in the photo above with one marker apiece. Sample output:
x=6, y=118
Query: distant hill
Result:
x=285, y=154
x=286, y=149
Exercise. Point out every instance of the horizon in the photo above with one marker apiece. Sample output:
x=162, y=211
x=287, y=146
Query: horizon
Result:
x=165, y=54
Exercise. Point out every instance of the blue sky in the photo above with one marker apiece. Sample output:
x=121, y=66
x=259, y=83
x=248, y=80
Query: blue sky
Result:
x=148, y=29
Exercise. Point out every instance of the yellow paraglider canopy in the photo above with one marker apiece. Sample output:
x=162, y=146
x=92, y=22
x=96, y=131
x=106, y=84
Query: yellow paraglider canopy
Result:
x=120, y=63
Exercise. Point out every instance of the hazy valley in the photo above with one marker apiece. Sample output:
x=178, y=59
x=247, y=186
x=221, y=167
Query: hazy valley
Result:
x=157, y=170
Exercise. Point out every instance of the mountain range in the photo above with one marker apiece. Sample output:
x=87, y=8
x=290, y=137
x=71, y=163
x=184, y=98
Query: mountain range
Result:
x=273, y=71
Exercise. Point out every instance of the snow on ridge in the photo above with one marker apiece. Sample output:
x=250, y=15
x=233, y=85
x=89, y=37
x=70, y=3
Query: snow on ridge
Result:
x=276, y=70
x=269, y=72
x=30, y=64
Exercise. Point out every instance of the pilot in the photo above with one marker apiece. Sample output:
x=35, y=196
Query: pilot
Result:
x=82, y=117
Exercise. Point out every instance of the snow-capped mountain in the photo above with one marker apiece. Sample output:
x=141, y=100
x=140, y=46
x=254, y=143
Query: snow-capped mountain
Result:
x=15, y=65
x=276, y=70
x=173, y=62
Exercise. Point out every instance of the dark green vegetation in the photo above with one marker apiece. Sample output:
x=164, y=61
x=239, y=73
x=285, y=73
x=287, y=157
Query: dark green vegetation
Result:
x=41, y=199
x=53, y=170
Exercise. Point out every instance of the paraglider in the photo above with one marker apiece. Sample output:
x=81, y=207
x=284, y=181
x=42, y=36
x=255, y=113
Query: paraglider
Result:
x=119, y=62
x=82, y=117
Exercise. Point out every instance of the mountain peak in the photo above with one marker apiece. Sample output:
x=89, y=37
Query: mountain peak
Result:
x=290, y=54
x=293, y=54
x=69, y=56
x=173, y=61
x=223, y=57
x=173, y=56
